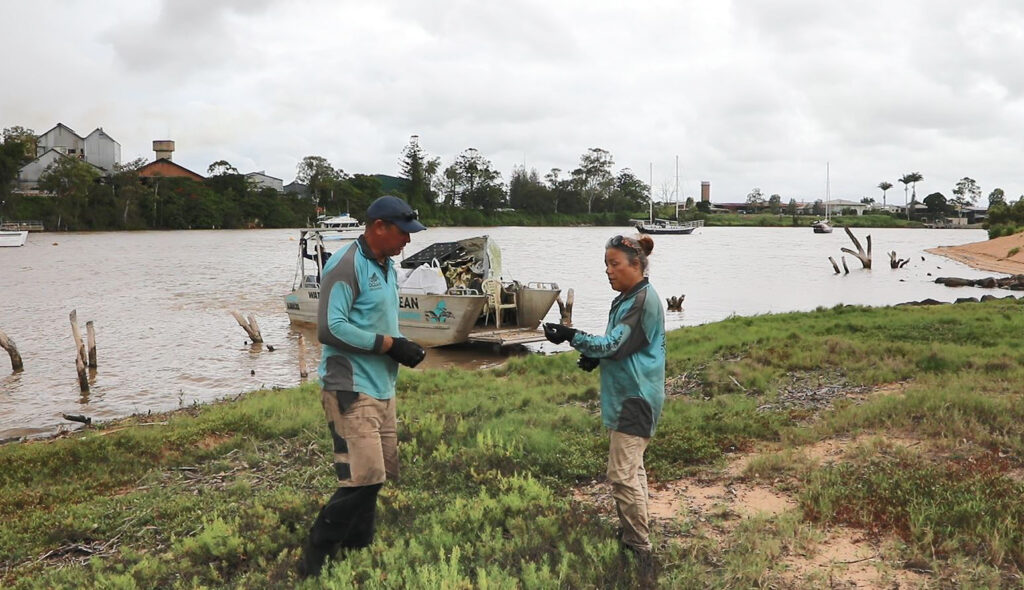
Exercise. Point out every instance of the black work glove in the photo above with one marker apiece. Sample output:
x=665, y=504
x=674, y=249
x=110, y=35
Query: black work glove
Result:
x=406, y=351
x=587, y=363
x=557, y=333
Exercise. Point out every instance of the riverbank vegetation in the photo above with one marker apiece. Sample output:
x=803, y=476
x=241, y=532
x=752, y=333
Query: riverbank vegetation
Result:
x=1005, y=219
x=920, y=406
x=77, y=196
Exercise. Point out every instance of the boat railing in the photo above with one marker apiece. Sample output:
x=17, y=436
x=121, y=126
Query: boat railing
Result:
x=462, y=291
x=22, y=225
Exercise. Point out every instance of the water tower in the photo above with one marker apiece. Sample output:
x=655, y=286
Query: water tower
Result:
x=164, y=149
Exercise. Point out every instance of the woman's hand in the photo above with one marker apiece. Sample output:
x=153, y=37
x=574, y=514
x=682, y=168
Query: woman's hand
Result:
x=557, y=333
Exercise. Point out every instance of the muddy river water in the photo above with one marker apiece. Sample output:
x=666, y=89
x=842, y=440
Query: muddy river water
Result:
x=161, y=302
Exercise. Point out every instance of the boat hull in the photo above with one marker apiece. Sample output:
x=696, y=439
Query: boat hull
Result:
x=13, y=239
x=668, y=227
x=438, y=320
x=662, y=231
x=428, y=320
x=533, y=302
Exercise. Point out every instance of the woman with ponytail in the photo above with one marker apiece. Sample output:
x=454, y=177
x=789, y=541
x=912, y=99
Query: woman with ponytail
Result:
x=631, y=355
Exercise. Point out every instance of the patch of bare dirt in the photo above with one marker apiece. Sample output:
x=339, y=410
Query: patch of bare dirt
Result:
x=845, y=558
x=713, y=504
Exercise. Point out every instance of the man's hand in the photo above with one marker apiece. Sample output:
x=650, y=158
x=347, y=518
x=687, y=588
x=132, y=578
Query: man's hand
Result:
x=557, y=333
x=587, y=363
x=406, y=351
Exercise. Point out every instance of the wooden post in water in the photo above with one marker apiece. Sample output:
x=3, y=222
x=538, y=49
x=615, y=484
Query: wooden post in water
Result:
x=251, y=327
x=12, y=349
x=77, y=334
x=565, y=309
x=83, y=378
x=91, y=336
x=302, y=359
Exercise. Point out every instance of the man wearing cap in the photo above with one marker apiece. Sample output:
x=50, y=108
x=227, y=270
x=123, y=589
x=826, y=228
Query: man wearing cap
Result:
x=357, y=323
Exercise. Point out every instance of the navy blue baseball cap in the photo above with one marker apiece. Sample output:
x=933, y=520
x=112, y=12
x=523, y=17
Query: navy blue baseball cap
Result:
x=391, y=208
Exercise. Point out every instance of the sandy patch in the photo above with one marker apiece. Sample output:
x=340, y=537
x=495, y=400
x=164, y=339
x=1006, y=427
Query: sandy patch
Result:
x=845, y=558
x=990, y=255
x=714, y=504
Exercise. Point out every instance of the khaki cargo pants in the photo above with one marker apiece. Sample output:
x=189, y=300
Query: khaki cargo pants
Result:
x=365, y=437
x=629, y=487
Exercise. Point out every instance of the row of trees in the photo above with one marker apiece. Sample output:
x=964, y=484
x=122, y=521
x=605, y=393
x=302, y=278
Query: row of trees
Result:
x=83, y=198
x=471, y=182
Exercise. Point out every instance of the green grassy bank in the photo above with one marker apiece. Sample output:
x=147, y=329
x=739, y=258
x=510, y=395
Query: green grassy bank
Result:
x=220, y=496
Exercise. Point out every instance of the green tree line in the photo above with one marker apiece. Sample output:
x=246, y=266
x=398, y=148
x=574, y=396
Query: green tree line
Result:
x=469, y=191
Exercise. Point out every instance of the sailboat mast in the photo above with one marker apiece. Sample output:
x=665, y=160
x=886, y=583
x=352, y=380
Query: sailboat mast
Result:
x=828, y=189
x=676, y=191
x=650, y=193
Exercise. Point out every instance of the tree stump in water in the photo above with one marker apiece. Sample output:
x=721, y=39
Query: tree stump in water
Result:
x=250, y=327
x=91, y=336
x=80, y=357
x=675, y=303
x=565, y=309
x=864, y=257
x=12, y=350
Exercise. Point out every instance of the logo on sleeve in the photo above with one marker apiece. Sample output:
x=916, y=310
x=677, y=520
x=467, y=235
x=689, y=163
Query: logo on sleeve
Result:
x=375, y=282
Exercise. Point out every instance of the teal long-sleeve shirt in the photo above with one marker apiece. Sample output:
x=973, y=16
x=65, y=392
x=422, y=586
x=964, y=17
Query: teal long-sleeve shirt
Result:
x=358, y=306
x=632, y=354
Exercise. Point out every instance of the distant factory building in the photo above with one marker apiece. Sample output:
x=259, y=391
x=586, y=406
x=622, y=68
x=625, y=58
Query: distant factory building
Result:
x=97, y=148
x=263, y=180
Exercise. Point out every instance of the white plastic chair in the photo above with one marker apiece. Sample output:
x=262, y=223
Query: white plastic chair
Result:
x=492, y=287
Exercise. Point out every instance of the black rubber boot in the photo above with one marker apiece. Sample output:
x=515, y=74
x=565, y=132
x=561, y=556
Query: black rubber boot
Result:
x=314, y=557
x=346, y=521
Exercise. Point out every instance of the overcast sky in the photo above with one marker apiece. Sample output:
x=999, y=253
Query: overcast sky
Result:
x=746, y=93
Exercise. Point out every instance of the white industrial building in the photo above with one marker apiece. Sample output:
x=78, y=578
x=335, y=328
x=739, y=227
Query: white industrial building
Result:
x=97, y=148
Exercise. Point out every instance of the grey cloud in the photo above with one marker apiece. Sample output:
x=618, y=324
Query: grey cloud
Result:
x=185, y=36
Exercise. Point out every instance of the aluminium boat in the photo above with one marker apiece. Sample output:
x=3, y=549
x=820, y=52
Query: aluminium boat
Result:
x=450, y=306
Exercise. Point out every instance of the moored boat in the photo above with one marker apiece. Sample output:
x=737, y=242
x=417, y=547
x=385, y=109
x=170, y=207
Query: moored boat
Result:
x=668, y=226
x=9, y=238
x=441, y=294
x=822, y=226
x=345, y=224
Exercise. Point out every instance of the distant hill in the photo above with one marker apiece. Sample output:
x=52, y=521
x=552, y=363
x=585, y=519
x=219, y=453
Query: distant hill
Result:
x=391, y=184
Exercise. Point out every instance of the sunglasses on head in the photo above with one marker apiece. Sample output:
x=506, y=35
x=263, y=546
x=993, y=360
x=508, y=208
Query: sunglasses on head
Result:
x=410, y=216
x=619, y=241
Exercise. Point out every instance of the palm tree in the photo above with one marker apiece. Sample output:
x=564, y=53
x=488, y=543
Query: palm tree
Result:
x=884, y=185
x=911, y=178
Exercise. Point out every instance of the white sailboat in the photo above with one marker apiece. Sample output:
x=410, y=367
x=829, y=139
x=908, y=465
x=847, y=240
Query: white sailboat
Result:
x=655, y=225
x=822, y=226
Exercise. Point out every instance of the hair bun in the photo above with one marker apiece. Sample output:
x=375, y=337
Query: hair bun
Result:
x=647, y=243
